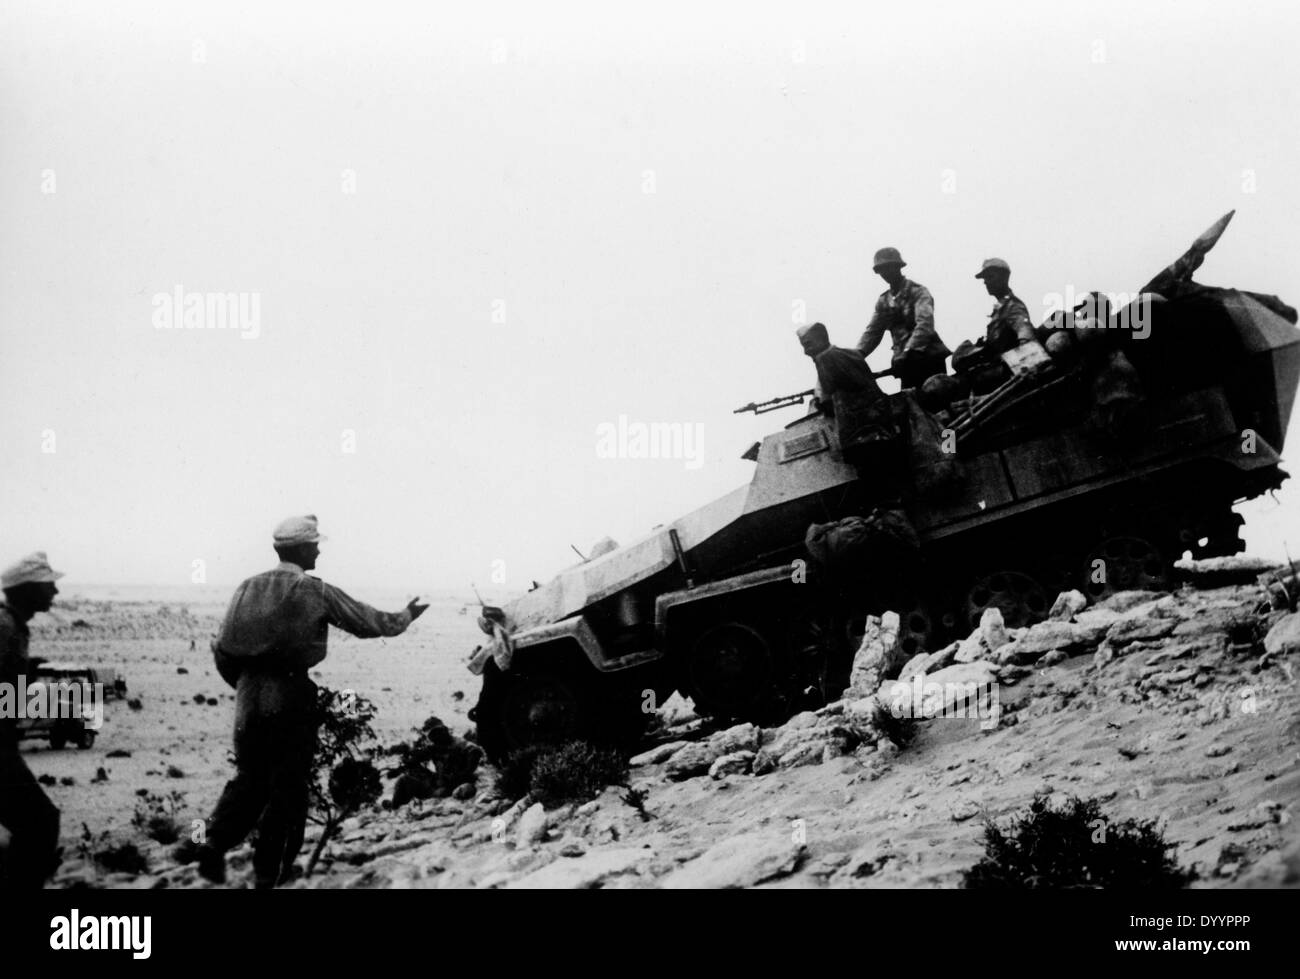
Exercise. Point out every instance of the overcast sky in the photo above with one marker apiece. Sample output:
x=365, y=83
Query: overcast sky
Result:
x=475, y=234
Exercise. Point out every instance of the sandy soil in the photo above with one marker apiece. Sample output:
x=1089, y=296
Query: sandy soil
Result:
x=408, y=678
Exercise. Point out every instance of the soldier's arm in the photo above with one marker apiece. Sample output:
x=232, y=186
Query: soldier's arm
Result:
x=359, y=619
x=228, y=667
x=874, y=333
x=1021, y=323
x=923, y=332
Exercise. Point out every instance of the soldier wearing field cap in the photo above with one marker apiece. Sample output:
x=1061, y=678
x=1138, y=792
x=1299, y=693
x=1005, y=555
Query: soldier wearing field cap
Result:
x=25, y=811
x=1009, y=323
x=274, y=631
x=906, y=310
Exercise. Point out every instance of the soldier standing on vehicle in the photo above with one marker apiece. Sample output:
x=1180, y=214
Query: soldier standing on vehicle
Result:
x=25, y=811
x=839, y=370
x=274, y=631
x=1009, y=323
x=906, y=310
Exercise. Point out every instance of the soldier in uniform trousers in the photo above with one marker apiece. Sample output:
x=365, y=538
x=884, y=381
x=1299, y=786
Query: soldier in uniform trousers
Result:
x=25, y=811
x=1009, y=323
x=274, y=631
x=906, y=310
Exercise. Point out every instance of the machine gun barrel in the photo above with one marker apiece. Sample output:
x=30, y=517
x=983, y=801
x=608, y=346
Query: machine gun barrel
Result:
x=789, y=400
x=784, y=401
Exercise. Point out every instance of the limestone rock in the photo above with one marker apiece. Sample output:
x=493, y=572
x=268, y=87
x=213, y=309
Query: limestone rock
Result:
x=970, y=649
x=737, y=763
x=1284, y=637
x=1068, y=604
x=915, y=665
x=939, y=692
x=993, y=630
x=657, y=755
x=943, y=657
x=1144, y=628
x=589, y=870
x=1013, y=673
x=874, y=655
x=985, y=641
x=740, y=861
x=1043, y=638
x=1124, y=600
x=532, y=826
x=692, y=760
x=1054, y=657
x=1090, y=627
x=788, y=739
x=808, y=753
x=741, y=737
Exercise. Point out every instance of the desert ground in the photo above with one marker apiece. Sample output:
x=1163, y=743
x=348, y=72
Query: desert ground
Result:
x=1182, y=707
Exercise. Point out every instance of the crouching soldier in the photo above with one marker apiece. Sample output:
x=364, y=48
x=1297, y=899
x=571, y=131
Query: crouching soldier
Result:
x=275, y=629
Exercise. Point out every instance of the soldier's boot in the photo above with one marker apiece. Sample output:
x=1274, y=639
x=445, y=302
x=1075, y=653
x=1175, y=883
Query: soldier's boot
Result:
x=212, y=864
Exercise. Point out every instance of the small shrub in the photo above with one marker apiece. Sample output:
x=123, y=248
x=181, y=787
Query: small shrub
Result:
x=1075, y=846
x=114, y=858
x=575, y=772
x=354, y=784
x=156, y=816
x=515, y=775
x=344, y=779
x=124, y=858
x=636, y=799
x=886, y=724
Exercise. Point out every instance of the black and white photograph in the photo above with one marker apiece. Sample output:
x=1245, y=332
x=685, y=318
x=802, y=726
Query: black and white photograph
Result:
x=679, y=446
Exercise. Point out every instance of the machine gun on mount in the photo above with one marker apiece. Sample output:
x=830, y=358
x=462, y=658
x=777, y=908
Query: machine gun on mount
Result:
x=784, y=401
x=790, y=400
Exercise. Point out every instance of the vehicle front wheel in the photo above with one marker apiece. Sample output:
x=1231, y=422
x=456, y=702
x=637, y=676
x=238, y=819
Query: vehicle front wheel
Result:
x=518, y=710
x=729, y=670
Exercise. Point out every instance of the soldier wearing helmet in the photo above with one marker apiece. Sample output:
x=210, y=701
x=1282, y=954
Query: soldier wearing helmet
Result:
x=1009, y=323
x=906, y=310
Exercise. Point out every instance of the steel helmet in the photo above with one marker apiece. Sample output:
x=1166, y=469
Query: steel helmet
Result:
x=887, y=256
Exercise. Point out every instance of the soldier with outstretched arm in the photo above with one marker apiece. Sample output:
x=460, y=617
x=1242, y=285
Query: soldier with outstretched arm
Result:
x=274, y=631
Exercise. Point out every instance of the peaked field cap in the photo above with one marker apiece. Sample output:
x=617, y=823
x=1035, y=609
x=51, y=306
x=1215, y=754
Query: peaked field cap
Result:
x=34, y=567
x=814, y=330
x=297, y=530
x=887, y=256
x=992, y=263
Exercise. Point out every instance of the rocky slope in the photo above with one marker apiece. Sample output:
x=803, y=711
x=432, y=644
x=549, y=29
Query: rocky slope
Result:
x=1181, y=707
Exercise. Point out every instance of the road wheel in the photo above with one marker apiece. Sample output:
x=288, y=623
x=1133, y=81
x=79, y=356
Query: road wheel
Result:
x=918, y=630
x=1022, y=600
x=1125, y=564
x=518, y=710
x=729, y=670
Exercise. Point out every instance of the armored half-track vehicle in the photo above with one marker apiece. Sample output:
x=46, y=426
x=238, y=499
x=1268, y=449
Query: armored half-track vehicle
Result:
x=1038, y=486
